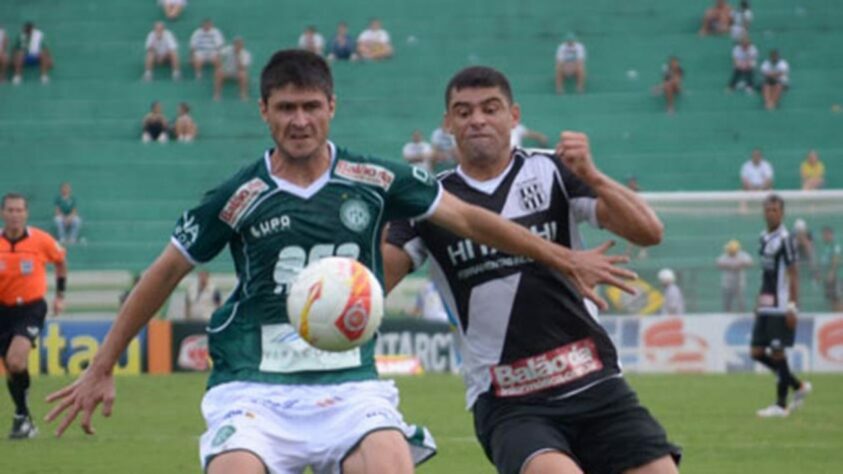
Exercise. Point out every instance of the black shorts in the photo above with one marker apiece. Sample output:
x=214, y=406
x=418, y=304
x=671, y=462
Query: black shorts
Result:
x=604, y=429
x=772, y=331
x=25, y=320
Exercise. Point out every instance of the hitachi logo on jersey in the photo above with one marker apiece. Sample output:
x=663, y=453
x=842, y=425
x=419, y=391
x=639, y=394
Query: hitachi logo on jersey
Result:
x=241, y=200
x=270, y=226
x=553, y=368
x=466, y=250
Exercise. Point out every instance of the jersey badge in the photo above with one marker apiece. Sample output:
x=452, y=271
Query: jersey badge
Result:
x=240, y=201
x=365, y=173
x=27, y=267
x=531, y=195
x=355, y=215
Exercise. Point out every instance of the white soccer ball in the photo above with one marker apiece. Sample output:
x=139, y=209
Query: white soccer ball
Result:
x=335, y=304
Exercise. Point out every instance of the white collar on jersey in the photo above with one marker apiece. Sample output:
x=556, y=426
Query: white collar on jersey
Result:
x=490, y=185
x=312, y=188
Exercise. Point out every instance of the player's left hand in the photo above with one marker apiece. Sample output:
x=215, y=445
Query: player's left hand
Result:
x=575, y=152
x=58, y=305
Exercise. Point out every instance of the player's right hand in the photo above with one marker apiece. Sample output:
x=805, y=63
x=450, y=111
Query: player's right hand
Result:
x=89, y=390
x=593, y=267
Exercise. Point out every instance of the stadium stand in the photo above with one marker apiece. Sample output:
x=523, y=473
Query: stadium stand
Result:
x=83, y=127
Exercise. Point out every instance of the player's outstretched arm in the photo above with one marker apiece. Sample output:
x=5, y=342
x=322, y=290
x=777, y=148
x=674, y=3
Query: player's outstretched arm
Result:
x=96, y=384
x=619, y=209
x=585, y=268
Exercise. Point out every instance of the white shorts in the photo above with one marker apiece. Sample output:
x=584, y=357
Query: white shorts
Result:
x=206, y=56
x=291, y=427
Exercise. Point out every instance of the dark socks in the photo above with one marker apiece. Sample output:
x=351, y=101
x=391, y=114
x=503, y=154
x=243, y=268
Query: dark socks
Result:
x=785, y=380
x=18, y=384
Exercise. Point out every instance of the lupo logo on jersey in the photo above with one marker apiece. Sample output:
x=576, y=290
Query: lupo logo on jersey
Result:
x=667, y=344
x=830, y=341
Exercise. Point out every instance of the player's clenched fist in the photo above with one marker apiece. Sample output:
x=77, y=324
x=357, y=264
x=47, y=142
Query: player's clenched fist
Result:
x=575, y=152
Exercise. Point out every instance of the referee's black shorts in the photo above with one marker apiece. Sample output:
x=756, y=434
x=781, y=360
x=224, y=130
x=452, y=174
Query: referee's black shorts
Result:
x=25, y=320
x=603, y=429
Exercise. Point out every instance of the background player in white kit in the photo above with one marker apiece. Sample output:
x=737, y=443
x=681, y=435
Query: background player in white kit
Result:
x=774, y=328
x=274, y=403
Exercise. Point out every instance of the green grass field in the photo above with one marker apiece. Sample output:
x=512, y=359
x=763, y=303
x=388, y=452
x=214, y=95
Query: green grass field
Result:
x=157, y=422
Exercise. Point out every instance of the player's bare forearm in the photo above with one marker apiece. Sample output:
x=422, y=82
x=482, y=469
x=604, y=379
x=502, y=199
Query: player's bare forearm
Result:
x=793, y=276
x=619, y=209
x=625, y=213
x=396, y=265
x=61, y=269
x=585, y=268
x=487, y=228
x=154, y=287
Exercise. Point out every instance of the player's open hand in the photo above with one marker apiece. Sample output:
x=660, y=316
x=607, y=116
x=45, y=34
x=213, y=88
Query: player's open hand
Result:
x=575, y=152
x=83, y=395
x=58, y=305
x=593, y=267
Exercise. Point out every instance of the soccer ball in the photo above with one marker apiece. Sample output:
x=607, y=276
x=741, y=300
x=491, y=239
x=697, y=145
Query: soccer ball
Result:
x=335, y=304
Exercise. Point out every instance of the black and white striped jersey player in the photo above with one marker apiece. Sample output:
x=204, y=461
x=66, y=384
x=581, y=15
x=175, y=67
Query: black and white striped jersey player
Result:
x=527, y=337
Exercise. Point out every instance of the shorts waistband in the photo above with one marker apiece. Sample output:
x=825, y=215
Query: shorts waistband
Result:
x=22, y=304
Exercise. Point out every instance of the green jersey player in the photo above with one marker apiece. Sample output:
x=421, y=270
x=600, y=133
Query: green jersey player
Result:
x=271, y=397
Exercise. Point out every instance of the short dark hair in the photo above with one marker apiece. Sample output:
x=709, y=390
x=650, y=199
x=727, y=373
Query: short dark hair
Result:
x=475, y=77
x=774, y=199
x=12, y=196
x=297, y=67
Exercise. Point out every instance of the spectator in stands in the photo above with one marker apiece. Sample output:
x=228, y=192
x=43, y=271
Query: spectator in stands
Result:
x=202, y=298
x=4, y=56
x=444, y=148
x=172, y=8
x=671, y=86
x=733, y=264
x=717, y=19
x=67, y=217
x=342, y=47
x=418, y=152
x=674, y=302
x=184, y=128
x=570, y=62
x=741, y=19
x=205, y=45
x=374, y=43
x=831, y=260
x=311, y=40
x=632, y=183
x=757, y=173
x=812, y=171
x=30, y=49
x=161, y=47
x=520, y=132
x=744, y=57
x=234, y=63
x=776, y=74
x=154, y=125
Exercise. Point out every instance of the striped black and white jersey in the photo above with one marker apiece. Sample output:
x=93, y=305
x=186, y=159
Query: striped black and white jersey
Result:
x=777, y=253
x=524, y=330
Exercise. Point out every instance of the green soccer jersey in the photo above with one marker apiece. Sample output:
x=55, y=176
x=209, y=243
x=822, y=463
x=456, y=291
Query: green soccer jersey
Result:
x=273, y=230
x=65, y=205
